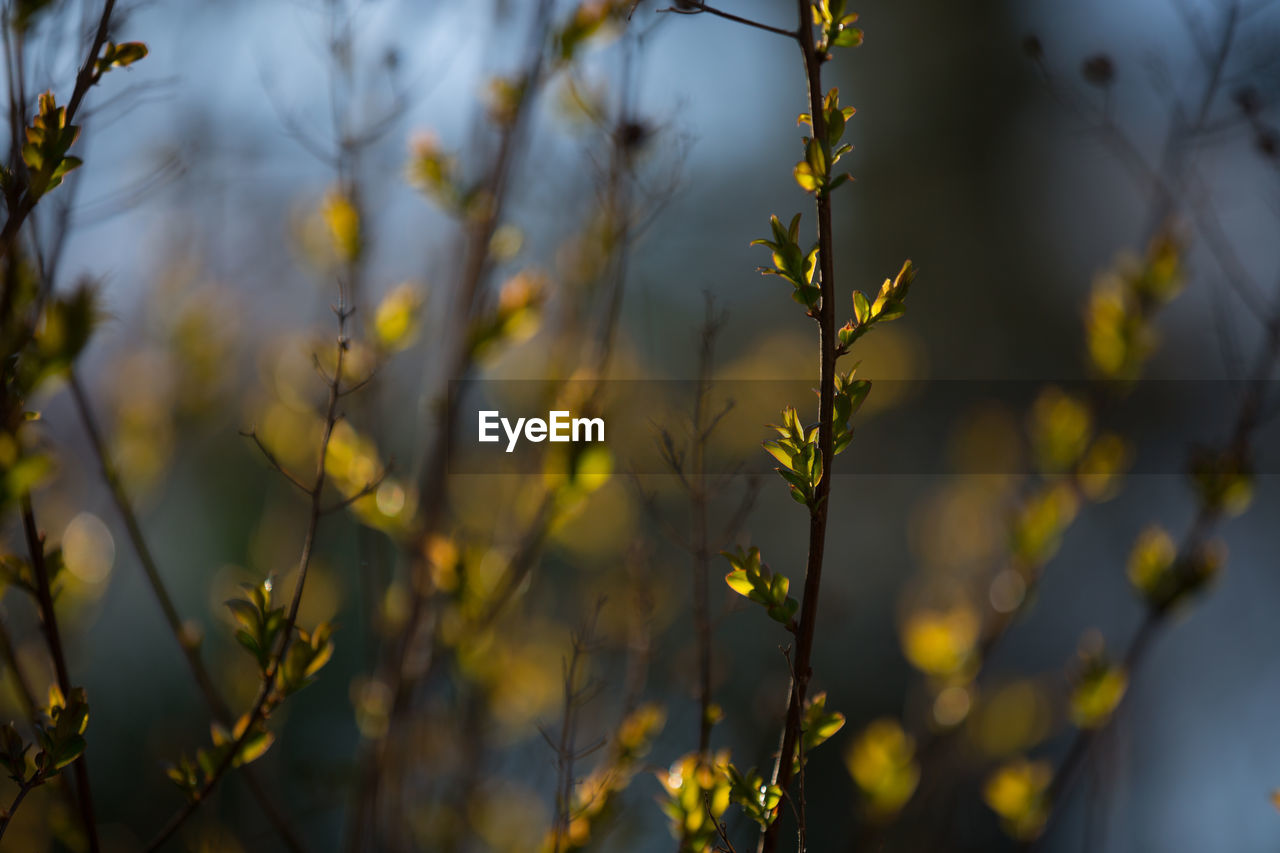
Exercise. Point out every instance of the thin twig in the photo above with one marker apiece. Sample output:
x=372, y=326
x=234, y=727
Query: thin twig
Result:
x=721, y=829
x=698, y=534
x=693, y=7
x=566, y=746
x=368, y=489
x=274, y=462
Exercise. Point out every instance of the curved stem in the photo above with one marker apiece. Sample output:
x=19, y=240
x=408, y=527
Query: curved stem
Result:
x=261, y=706
x=23, y=789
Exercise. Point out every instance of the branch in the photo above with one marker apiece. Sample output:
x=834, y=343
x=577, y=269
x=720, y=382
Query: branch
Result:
x=84, y=81
x=1166, y=178
x=692, y=7
x=369, y=488
x=274, y=462
x=698, y=526
x=49, y=619
x=186, y=643
x=23, y=790
x=1208, y=518
x=457, y=361
x=805, y=625
x=260, y=708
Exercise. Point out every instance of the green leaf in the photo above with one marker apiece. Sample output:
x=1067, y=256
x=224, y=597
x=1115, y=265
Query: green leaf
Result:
x=67, y=751
x=861, y=308
x=739, y=582
x=254, y=748
x=128, y=53
x=318, y=660
x=806, y=177
x=68, y=164
x=247, y=640
x=847, y=37
x=816, y=156
x=245, y=613
x=784, y=612
x=777, y=451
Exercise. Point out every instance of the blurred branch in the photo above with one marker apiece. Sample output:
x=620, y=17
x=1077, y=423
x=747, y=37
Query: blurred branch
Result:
x=21, y=684
x=248, y=725
x=274, y=462
x=1170, y=181
x=368, y=489
x=625, y=135
x=565, y=747
x=49, y=620
x=1196, y=539
x=187, y=642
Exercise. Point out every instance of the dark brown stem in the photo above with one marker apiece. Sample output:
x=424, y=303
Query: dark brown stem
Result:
x=806, y=624
x=23, y=789
x=49, y=619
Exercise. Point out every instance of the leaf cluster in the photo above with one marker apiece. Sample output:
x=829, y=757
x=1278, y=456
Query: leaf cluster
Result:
x=814, y=173
x=836, y=25
x=59, y=727
x=754, y=579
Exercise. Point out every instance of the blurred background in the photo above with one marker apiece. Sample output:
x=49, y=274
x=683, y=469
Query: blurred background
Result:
x=1016, y=174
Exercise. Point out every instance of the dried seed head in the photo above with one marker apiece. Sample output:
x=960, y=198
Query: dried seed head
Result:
x=1099, y=70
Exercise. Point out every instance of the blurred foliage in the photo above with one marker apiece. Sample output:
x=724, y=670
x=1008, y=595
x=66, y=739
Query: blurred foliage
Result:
x=426, y=608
